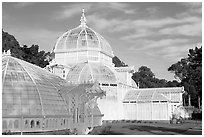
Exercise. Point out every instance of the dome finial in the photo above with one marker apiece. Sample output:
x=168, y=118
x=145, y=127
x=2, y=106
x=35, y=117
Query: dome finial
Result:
x=83, y=19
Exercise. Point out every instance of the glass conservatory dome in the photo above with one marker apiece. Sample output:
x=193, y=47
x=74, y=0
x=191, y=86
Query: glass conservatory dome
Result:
x=82, y=38
x=84, y=72
x=30, y=90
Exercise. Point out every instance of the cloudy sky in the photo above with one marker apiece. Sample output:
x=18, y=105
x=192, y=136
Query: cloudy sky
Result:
x=152, y=34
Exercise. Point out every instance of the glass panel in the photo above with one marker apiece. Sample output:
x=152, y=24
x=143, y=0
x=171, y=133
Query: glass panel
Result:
x=85, y=74
x=27, y=89
x=71, y=42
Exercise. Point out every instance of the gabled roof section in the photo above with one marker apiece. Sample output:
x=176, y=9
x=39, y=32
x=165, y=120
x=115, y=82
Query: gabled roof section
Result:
x=154, y=94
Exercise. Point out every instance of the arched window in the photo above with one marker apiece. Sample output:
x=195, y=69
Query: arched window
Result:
x=26, y=124
x=32, y=124
x=66, y=122
x=51, y=123
x=62, y=122
x=16, y=124
x=82, y=108
x=10, y=126
x=73, y=106
x=4, y=124
x=38, y=124
x=55, y=123
x=46, y=125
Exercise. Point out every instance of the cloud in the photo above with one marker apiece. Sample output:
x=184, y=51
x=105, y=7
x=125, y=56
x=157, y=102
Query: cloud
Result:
x=192, y=4
x=101, y=23
x=71, y=10
x=188, y=26
x=152, y=10
x=175, y=53
x=150, y=44
x=139, y=28
x=125, y=24
x=139, y=33
x=171, y=49
x=124, y=7
x=162, y=22
x=194, y=29
x=23, y=4
x=193, y=7
x=42, y=37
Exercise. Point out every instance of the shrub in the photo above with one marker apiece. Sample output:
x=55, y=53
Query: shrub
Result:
x=197, y=116
x=7, y=132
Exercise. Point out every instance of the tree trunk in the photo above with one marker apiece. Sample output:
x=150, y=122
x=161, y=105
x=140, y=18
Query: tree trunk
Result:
x=189, y=100
x=199, y=102
x=184, y=100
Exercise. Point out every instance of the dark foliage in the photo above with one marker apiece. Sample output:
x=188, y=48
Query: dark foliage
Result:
x=189, y=71
x=145, y=78
x=29, y=54
x=118, y=62
x=197, y=116
x=9, y=42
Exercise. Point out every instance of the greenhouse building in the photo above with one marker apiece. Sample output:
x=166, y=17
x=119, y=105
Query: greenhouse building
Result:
x=83, y=55
x=79, y=89
x=33, y=99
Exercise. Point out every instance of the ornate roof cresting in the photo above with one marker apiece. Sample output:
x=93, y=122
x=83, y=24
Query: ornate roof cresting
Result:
x=8, y=52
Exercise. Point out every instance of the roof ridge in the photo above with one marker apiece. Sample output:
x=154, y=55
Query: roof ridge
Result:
x=158, y=88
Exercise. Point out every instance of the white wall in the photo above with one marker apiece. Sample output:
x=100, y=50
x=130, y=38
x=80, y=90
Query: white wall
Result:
x=146, y=111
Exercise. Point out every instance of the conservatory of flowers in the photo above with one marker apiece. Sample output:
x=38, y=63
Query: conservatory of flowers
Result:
x=80, y=88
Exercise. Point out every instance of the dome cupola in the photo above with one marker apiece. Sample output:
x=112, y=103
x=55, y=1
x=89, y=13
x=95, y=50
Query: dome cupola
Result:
x=82, y=44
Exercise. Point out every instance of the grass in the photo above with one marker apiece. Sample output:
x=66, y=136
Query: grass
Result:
x=189, y=127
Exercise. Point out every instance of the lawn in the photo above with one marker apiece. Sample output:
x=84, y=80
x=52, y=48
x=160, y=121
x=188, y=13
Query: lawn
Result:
x=189, y=127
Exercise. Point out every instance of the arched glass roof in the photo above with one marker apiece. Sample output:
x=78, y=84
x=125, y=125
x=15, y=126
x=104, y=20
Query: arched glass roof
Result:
x=154, y=94
x=30, y=90
x=84, y=72
x=89, y=89
x=82, y=38
x=133, y=83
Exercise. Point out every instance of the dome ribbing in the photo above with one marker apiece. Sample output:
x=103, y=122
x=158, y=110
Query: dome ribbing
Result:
x=30, y=90
x=85, y=72
x=82, y=38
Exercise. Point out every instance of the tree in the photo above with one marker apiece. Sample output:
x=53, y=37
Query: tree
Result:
x=146, y=79
x=189, y=71
x=34, y=56
x=9, y=42
x=145, y=72
x=118, y=62
x=180, y=69
x=29, y=54
x=173, y=83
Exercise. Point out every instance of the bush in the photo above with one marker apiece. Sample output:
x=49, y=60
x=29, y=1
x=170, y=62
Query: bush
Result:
x=127, y=121
x=197, y=116
x=100, y=130
x=134, y=121
x=7, y=132
x=139, y=121
x=123, y=120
